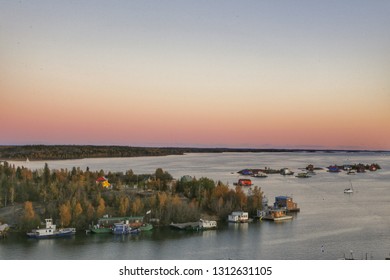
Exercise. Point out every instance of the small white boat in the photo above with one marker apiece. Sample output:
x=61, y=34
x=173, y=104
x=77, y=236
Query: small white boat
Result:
x=3, y=230
x=349, y=190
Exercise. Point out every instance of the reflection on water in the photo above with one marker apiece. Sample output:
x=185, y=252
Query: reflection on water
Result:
x=329, y=225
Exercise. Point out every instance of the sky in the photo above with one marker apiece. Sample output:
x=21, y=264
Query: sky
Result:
x=239, y=74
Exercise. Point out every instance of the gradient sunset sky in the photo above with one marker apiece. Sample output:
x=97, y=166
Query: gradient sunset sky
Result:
x=250, y=74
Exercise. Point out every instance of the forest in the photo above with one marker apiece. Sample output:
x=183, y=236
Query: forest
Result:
x=58, y=152
x=76, y=198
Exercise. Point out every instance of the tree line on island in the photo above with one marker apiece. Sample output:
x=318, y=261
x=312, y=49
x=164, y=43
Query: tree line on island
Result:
x=75, y=197
x=58, y=152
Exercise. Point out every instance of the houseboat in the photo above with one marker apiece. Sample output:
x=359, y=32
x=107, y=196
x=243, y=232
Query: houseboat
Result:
x=303, y=175
x=334, y=169
x=199, y=225
x=287, y=203
x=286, y=171
x=105, y=224
x=274, y=215
x=51, y=231
x=244, y=182
x=238, y=217
x=124, y=228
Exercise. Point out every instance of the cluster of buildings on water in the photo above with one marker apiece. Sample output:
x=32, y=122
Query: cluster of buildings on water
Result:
x=277, y=212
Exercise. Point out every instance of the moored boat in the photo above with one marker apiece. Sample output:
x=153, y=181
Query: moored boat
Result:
x=303, y=175
x=105, y=224
x=260, y=175
x=145, y=227
x=3, y=230
x=238, y=217
x=124, y=228
x=286, y=202
x=199, y=225
x=286, y=171
x=275, y=215
x=51, y=231
x=244, y=183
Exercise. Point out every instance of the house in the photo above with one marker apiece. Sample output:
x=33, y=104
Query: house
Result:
x=103, y=181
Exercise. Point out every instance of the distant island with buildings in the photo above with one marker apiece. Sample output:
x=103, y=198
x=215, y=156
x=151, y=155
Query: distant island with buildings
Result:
x=59, y=152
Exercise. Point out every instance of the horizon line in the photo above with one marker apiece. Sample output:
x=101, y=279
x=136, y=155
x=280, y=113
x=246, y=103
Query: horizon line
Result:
x=207, y=148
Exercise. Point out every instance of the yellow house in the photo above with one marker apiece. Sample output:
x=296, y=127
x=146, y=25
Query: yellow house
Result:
x=104, y=181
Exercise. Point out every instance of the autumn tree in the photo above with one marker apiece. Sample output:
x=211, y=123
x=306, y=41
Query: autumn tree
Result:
x=123, y=205
x=137, y=206
x=101, y=209
x=65, y=214
x=255, y=200
x=30, y=219
x=77, y=215
x=90, y=211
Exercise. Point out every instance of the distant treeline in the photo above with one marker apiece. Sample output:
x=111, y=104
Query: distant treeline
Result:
x=58, y=152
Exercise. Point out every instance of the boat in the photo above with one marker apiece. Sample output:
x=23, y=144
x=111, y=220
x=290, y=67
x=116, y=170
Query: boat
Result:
x=3, y=230
x=238, y=217
x=145, y=227
x=199, y=225
x=277, y=214
x=286, y=171
x=244, y=183
x=105, y=224
x=260, y=175
x=303, y=175
x=51, y=231
x=334, y=169
x=101, y=229
x=287, y=203
x=349, y=190
x=124, y=228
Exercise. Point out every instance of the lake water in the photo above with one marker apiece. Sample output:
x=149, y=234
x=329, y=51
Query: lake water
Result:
x=328, y=219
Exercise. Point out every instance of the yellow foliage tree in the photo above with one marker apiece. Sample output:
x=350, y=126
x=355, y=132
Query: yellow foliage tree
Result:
x=90, y=211
x=137, y=206
x=241, y=197
x=30, y=220
x=101, y=209
x=29, y=213
x=123, y=205
x=78, y=210
x=65, y=214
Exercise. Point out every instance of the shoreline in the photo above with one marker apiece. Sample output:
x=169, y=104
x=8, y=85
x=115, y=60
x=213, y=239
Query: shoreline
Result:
x=69, y=152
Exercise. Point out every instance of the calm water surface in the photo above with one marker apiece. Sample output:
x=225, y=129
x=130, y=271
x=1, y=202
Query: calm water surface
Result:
x=339, y=222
